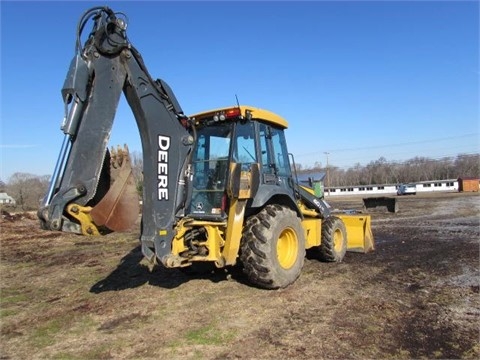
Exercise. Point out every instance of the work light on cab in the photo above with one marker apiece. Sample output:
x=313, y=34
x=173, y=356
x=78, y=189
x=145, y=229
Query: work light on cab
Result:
x=227, y=114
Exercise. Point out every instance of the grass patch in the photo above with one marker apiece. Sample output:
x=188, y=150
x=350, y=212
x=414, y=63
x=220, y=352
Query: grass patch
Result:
x=7, y=312
x=208, y=335
x=96, y=352
x=45, y=334
x=12, y=296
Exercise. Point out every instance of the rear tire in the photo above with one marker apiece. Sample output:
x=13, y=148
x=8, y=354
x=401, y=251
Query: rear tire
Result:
x=273, y=247
x=334, y=240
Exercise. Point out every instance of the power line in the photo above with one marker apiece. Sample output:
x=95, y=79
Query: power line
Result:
x=391, y=145
x=398, y=162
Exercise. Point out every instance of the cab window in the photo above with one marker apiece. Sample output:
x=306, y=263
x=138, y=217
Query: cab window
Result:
x=244, y=151
x=280, y=151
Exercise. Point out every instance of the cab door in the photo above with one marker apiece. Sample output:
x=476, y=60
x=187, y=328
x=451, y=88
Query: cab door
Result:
x=274, y=154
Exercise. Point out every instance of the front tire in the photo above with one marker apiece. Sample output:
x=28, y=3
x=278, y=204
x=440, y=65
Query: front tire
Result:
x=334, y=240
x=273, y=247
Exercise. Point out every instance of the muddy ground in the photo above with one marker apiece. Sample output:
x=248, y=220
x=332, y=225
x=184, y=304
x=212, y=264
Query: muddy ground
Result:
x=417, y=296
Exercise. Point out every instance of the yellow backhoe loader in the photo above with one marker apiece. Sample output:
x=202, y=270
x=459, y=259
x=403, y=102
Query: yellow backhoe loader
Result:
x=218, y=186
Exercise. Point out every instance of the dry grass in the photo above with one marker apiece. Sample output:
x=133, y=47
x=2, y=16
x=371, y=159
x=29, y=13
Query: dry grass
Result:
x=70, y=297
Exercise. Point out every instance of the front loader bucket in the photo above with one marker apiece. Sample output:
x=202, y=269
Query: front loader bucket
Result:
x=359, y=232
x=119, y=208
x=382, y=201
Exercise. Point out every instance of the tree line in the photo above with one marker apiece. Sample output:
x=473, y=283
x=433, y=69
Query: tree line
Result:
x=384, y=172
x=28, y=190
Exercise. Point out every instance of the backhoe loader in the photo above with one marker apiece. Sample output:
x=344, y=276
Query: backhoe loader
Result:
x=219, y=186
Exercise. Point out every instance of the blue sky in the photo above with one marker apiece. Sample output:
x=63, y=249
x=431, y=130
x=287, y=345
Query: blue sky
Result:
x=357, y=79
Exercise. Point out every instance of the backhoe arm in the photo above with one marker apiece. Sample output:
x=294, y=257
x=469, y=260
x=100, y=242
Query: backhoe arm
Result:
x=101, y=70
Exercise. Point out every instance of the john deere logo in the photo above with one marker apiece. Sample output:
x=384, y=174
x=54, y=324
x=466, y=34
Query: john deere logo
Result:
x=199, y=206
x=162, y=166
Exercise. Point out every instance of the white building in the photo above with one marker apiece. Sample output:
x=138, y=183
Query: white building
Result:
x=391, y=189
x=5, y=199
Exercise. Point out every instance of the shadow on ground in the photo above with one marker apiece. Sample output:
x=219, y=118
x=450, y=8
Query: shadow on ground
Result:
x=131, y=273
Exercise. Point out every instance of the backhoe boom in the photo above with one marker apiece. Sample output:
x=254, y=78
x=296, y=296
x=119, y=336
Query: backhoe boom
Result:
x=101, y=70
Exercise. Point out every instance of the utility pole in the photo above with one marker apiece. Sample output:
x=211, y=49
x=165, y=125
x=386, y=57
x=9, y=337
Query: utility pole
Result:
x=328, y=174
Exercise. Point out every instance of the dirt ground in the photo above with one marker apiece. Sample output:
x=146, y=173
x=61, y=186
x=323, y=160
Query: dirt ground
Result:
x=65, y=296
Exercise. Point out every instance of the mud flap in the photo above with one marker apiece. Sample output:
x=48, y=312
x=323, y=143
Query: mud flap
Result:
x=359, y=232
x=119, y=208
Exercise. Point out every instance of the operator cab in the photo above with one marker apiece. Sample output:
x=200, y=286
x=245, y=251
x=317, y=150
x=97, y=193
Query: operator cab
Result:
x=244, y=135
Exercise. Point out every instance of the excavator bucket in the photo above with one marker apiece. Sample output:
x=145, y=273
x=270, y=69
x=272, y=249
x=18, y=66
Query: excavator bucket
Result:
x=359, y=232
x=119, y=208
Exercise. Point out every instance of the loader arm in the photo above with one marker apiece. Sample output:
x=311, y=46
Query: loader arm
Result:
x=101, y=70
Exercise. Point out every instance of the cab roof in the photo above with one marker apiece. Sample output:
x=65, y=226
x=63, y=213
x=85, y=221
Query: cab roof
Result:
x=257, y=114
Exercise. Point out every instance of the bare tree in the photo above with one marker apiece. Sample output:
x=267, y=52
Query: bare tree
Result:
x=27, y=189
x=416, y=169
x=137, y=170
x=468, y=165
